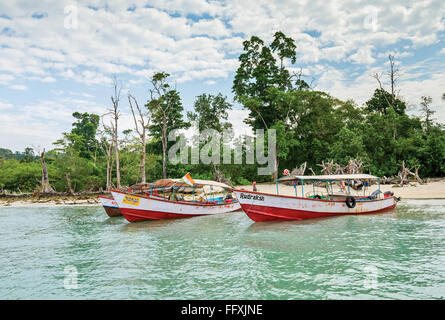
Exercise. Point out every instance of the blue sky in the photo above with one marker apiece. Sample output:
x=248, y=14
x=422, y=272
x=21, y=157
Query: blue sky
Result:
x=57, y=57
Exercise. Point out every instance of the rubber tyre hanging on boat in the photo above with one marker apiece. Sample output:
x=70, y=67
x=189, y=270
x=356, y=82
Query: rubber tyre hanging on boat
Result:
x=350, y=202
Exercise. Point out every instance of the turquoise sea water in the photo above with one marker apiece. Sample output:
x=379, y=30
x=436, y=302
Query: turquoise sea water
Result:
x=80, y=253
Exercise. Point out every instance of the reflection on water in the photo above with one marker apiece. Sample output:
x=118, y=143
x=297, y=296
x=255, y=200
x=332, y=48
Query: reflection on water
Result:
x=398, y=254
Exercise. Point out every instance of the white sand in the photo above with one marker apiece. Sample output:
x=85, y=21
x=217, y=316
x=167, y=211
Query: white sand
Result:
x=48, y=203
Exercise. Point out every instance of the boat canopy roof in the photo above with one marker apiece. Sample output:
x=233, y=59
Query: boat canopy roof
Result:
x=332, y=177
x=179, y=183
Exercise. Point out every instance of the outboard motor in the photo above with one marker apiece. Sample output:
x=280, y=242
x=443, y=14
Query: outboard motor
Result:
x=388, y=194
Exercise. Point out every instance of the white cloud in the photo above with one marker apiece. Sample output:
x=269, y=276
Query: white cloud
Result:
x=213, y=28
x=363, y=55
x=5, y=105
x=18, y=87
x=198, y=41
x=6, y=78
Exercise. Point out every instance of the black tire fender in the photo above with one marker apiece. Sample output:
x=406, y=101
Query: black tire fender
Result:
x=350, y=202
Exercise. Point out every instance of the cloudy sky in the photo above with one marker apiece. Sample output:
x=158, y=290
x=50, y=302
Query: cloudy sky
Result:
x=57, y=57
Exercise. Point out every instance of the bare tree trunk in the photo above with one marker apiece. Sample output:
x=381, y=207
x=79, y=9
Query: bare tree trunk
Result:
x=108, y=170
x=164, y=149
x=144, y=121
x=111, y=171
x=68, y=181
x=275, y=170
x=115, y=111
x=46, y=187
x=108, y=174
x=116, y=148
x=144, y=143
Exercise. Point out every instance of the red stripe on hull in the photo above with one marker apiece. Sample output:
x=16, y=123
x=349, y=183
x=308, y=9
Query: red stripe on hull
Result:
x=112, y=212
x=133, y=215
x=263, y=213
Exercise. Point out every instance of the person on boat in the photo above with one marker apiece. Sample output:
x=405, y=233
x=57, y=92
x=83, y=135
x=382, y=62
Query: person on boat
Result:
x=229, y=198
x=179, y=198
x=343, y=187
x=254, y=186
x=173, y=197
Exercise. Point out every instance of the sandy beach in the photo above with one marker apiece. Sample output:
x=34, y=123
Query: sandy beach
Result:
x=35, y=202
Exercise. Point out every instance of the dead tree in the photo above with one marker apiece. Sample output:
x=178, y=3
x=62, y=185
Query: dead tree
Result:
x=404, y=172
x=68, y=181
x=106, y=143
x=141, y=125
x=116, y=114
x=45, y=187
x=330, y=167
x=219, y=176
x=355, y=166
x=299, y=171
x=394, y=76
x=416, y=173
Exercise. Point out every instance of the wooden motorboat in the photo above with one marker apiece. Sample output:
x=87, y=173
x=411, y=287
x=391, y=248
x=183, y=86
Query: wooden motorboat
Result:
x=110, y=206
x=275, y=207
x=156, y=205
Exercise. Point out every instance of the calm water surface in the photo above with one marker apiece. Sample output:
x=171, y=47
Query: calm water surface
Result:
x=396, y=255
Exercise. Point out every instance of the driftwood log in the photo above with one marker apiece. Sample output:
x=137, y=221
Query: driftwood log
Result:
x=354, y=166
x=219, y=176
x=405, y=172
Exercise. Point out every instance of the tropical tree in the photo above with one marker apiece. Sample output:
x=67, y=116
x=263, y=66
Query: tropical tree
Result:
x=211, y=112
x=427, y=112
x=265, y=87
x=166, y=109
x=86, y=128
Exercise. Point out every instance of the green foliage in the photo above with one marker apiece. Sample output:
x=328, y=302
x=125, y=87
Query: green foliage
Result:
x=311, y=126
x=261, y=81
x=85, y=127
x=210, y=111
x=15, y=175
x=166, y=108
x=381, y=102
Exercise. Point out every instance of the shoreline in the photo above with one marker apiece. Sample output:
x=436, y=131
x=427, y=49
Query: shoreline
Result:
x=49, y=201
x=414, y=191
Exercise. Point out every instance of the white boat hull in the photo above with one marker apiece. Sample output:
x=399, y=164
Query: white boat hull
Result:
x=137, y=208
x=268, y=207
